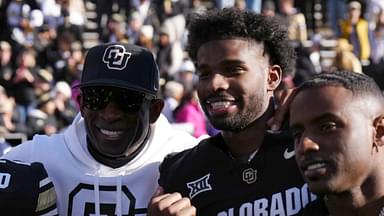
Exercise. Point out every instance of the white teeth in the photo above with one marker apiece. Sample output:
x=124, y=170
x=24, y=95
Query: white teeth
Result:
x=110, y=133
x=315, y=166
x=220, y=104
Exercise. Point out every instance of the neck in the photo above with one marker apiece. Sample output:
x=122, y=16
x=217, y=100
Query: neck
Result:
x=367, y=199
x=374, y=208
x=245, y=142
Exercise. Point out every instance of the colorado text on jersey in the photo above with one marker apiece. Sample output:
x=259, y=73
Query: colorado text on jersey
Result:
x=286, y=203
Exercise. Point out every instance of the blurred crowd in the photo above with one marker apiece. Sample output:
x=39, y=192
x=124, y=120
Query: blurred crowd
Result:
x=42, y=49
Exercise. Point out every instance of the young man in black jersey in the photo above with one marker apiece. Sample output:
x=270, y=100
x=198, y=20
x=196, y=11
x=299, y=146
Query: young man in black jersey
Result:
x=25, y=189
x=241, y=58
x=337, y=121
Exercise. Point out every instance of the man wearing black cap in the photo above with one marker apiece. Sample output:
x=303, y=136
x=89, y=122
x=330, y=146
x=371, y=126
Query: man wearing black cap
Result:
x=106, y=162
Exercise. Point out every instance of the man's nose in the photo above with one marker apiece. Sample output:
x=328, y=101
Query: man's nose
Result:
x=219, y=82
x=307, y=145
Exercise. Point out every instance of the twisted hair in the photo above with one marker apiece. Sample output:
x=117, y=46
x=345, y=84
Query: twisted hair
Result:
x=230, y=23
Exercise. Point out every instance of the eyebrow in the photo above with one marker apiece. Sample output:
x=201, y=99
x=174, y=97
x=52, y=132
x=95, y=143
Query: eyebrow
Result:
x=323, y=116
x=225, y=62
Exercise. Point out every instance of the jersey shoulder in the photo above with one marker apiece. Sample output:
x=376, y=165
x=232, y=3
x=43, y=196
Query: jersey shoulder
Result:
x=210, y=152
x=315, y=208
x=26, y=189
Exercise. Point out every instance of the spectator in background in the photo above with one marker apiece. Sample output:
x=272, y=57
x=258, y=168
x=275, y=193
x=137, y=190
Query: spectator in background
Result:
x=103, y=9
x=269, y=9
x=107, y=34
x=356, y=30
x=135, y=23
x=296, y=24
x=173, y=93
x=16, y=11
x=116, y=30
x=24, y=23
x=43, y=81
x=186, y=74
x=372, y=11
x=146, y=38
x=74, y=16
x=147, y=11
x=75, y=63
x=9, y=118
x=23, y=81
x=66, y=109
x=254, y=5
x=53, y=15
x=164, y=54
x=189, y=111
x=304, y=66
x=44, y=40
x=59, y=54
x=174, y=27
x=378, y=50
x=376, y=68
x=335, y=13
x=6, y=67
x=345, y=59
x=42, y=119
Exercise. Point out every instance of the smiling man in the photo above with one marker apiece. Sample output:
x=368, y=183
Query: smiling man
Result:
x=106, y=162
x=337, y=120
x=244, y=170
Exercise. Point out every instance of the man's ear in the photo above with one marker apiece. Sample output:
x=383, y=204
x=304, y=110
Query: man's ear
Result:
x=79, y=100
x=155, y=110
x=274, y=77
x=378, y=124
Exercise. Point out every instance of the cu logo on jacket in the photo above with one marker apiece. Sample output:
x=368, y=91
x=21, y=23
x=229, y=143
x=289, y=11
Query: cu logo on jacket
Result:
x=116, y=57
x=82, y=201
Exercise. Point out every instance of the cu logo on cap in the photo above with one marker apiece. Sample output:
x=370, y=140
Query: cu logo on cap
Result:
x=116, y=57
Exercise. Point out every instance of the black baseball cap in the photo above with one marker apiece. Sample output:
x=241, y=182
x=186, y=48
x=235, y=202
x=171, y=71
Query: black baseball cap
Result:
x=121, y=65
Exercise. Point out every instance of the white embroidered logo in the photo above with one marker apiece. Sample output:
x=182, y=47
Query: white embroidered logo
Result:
x=5, y=178
x=288, y=154
x=249, y=175
x=198, y=186
x=116, y=57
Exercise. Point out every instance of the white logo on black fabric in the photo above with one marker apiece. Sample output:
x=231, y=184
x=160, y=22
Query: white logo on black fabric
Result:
x=288, y=154
x=116, y=57
x=249, y=175
x=5, y=178
x=81, y=201
x=198, y=186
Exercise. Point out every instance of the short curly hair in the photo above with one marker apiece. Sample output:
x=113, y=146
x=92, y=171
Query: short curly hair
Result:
x=229, y=23
x=358, y=83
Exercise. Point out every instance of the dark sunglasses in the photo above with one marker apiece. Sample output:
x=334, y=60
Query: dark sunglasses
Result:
x=97, y=98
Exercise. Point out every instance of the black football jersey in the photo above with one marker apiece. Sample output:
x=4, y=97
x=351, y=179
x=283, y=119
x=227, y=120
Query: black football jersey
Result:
x=25, y=189
x=316, y=208
x=218, y=184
